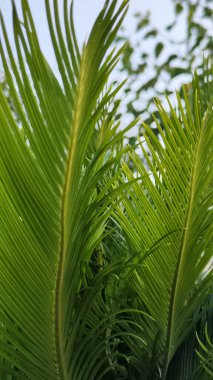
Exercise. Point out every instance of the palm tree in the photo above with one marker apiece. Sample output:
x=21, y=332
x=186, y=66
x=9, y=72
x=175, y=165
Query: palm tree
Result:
x=105, y=270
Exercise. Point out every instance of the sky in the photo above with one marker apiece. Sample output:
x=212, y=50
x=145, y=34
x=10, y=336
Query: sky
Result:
x=85, y=12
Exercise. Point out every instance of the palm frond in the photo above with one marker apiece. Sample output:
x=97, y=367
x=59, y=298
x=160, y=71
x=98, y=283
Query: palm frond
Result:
x=52, y=212
x=172, y=203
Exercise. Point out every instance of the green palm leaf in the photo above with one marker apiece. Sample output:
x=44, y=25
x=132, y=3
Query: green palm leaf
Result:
x=171, y=209
x=53, y=214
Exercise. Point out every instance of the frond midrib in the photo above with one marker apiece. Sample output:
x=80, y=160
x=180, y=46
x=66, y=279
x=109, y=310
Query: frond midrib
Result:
x=62, y=252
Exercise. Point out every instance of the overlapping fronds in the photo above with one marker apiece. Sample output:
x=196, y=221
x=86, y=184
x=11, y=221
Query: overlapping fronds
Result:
x=105, y=267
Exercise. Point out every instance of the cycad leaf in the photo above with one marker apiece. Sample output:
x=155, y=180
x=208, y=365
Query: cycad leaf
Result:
x=172, y=202
x=52, y=214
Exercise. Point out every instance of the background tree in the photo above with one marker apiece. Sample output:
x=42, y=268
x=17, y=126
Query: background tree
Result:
x=158, y=62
